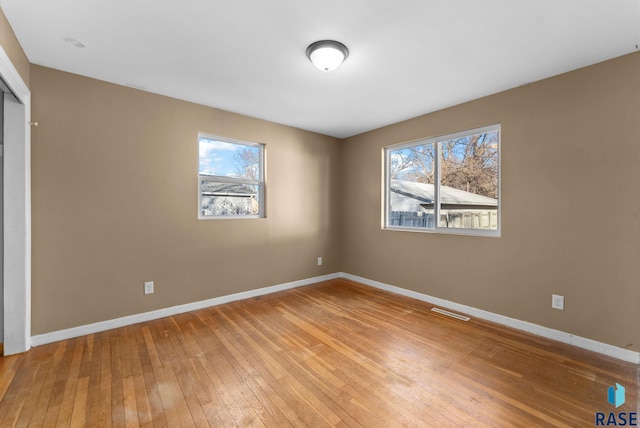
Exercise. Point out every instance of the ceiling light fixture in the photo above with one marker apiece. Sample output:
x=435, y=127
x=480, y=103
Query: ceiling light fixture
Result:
x=327, y=55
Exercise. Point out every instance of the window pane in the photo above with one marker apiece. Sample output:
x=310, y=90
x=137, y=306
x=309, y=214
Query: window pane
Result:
x=411, y=186
x=220, y=158
x=229, y=199
x=469, y=182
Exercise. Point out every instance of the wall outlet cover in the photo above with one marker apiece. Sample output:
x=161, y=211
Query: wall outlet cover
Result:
x=148, y=287
x=557, y=302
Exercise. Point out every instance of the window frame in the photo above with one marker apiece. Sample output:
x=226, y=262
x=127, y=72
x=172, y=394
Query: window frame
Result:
x=261, y=182
x=436, y=141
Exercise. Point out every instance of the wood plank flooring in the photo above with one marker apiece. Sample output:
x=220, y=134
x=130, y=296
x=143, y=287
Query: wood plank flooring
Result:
x=335, y=353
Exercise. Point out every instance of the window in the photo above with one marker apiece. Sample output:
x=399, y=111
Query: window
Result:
x=448, y=184
x=230, y=178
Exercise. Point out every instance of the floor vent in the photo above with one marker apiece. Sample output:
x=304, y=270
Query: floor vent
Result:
x=450, y=314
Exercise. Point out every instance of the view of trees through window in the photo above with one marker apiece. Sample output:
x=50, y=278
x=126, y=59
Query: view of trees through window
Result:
x=246, y=162
x=467, y=169
x=230, y=175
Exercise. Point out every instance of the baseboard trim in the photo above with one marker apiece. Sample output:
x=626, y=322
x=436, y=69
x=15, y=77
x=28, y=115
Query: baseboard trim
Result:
x=56, y=336
x=560, y=336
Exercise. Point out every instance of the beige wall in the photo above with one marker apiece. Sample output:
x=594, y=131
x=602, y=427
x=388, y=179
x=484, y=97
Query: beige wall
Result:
x=115, y=204
x=570, y=207
x=13, y=49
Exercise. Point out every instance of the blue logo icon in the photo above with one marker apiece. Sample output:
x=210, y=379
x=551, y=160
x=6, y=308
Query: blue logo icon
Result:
x=616, y=395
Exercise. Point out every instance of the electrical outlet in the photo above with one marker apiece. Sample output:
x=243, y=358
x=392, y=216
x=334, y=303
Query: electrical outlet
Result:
x=319, y=261
x=148, y=287
x=557, y=302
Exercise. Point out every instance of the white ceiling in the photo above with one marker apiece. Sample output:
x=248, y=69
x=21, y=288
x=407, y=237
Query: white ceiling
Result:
x=407, y=57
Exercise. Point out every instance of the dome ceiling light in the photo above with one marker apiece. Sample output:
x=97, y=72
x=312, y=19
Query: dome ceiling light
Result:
x=327, y=55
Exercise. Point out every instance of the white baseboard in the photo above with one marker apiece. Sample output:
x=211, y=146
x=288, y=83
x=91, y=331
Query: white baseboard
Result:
x=560, y=336
x=55, y=336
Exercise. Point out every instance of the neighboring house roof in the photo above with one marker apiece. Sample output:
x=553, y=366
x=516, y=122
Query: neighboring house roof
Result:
x=216, y=188
x=405, y=194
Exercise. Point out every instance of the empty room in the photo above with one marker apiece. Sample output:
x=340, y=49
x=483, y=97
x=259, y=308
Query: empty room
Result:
x=355, y=214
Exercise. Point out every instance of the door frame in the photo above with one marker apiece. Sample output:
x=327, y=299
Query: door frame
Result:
x=17, y=210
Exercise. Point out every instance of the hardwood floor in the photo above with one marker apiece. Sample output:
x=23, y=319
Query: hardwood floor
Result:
x=336, y=353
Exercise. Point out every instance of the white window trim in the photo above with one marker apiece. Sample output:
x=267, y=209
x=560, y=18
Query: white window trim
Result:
x=434, y=140
x=261, y=182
